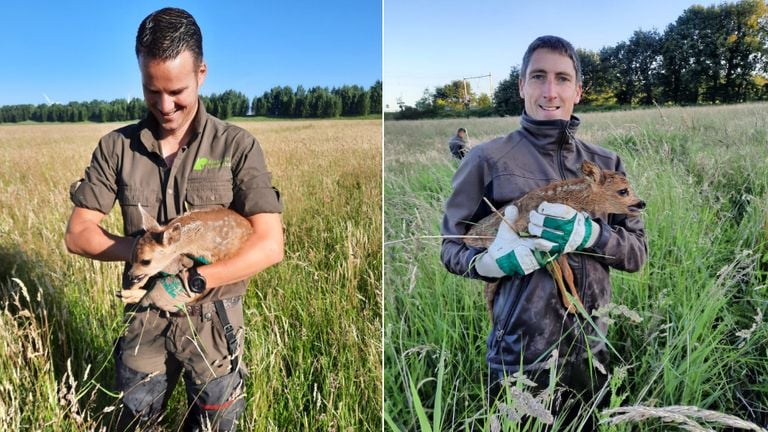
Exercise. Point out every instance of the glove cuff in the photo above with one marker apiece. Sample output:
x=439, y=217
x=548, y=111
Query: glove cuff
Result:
x=591, y=234
x=515, y=263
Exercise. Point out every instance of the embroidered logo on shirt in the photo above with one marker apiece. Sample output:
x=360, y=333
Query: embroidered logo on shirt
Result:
x=203, y=163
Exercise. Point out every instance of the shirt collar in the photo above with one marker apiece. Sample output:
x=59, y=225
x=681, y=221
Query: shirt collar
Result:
x=148, y=127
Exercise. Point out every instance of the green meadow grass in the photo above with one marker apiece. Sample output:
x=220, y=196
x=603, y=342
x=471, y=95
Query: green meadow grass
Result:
x=313, y=340
x=701, y=341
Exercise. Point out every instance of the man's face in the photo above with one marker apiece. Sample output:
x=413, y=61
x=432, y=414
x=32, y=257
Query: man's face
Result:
x=462, y=134
x=550, y=87
x=170, y=90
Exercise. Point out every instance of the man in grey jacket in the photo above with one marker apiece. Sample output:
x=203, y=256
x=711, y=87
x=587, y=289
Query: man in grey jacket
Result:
x=458, y=144
x=529, y=320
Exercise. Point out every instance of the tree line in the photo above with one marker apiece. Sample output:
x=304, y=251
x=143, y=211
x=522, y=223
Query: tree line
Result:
x=455, y=99
x=318, y=102
x=95, y=111
x=709, y=55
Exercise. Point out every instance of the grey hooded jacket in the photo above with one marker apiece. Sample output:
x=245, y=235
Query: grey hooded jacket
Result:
x=458, y=147
x=529, y=318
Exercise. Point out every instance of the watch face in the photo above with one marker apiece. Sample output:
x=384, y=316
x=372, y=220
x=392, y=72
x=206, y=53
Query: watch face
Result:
x=197, y=284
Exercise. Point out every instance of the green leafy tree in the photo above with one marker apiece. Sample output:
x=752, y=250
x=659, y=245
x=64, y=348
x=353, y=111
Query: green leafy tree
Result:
x=743, y=47
x=643, y=53
x=617, y=64
x=506, y=98
x=483, y=100
x=259, y=106
x=375, y=97
x=689, y=56
x=454, y=96
x=301, y=109
x=354, y=100
x=287, y=103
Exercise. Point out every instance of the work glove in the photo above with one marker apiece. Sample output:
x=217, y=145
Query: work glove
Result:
x=509, y=254
x=569, y=229
x=169, y=293
x=132, y=296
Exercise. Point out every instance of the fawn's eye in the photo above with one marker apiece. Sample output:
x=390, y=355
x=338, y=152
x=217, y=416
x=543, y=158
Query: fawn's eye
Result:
x=623, y=192
x=145, y=262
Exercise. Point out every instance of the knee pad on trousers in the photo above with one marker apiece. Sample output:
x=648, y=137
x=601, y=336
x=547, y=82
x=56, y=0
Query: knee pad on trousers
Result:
x=143, y=395
x=218, y=404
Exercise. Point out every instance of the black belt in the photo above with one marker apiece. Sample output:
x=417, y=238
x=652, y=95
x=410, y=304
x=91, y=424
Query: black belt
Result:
x=197, y=309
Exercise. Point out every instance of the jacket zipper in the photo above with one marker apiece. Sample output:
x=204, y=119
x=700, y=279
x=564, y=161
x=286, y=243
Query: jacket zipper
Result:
x=559, y=154
x=506, y=311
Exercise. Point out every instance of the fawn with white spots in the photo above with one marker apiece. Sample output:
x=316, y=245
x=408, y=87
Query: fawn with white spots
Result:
x=598, y=191
x=210, y=235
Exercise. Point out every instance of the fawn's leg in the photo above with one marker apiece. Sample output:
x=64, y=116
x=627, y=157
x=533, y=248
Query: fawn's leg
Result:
x=567, y=273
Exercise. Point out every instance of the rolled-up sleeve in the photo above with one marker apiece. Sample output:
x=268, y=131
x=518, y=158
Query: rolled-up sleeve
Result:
x=97, y=190
x=253, y=190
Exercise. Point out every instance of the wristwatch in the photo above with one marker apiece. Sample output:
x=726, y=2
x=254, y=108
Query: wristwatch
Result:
x=196, y=281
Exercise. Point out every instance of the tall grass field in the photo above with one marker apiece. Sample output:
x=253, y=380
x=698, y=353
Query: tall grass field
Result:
x=313, y=339
x=688, y=334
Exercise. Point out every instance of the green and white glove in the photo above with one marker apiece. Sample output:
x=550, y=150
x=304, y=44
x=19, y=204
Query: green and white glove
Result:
x=511, y=255
x=168, y=293
x=569, y=229
x=171, y=293
x=136, y=295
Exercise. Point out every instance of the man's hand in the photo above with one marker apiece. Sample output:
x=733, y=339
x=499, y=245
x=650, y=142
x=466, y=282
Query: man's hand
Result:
x=511, y=255
x=564, y=226
x=169, y=293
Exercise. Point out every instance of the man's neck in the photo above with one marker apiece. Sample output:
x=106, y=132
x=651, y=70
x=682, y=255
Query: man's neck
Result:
x=170, y=143
x=180, y=134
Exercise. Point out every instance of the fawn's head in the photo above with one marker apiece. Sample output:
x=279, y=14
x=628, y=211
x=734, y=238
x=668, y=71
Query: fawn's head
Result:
x=155, y=249
x=611, y=191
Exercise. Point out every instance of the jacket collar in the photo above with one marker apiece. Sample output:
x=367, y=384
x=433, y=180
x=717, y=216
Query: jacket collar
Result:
x=550, y=132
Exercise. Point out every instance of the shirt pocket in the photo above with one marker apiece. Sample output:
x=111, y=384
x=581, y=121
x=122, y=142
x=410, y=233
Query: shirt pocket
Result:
x=208, y=193
x=129, y=198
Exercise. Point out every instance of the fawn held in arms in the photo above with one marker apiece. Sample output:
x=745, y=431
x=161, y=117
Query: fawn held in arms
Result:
x=598, y=191
x=205, y=236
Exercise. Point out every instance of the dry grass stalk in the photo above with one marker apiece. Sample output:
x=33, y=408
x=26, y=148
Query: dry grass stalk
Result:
x=611, y=310
x=747, y=333
x=523, y=403
x=683, y=416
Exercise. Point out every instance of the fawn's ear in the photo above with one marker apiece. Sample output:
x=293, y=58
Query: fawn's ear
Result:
x=592, y=172
x=172, y=234
x=147, y=221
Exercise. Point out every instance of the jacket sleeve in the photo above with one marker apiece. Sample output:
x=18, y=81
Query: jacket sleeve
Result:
x=622, y=243
x=464, y=206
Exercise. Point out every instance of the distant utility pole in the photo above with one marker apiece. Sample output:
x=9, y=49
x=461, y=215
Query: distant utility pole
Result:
x=490, y=88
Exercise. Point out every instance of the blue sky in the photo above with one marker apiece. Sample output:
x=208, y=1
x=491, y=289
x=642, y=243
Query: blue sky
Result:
x=83, y=50
x=429, y=44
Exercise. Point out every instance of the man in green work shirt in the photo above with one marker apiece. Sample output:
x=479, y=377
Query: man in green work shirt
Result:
x=176, y=159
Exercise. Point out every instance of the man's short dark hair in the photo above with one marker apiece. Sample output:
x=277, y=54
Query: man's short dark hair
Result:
x=556, y=44
x=461, y=130
x=166, y=33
